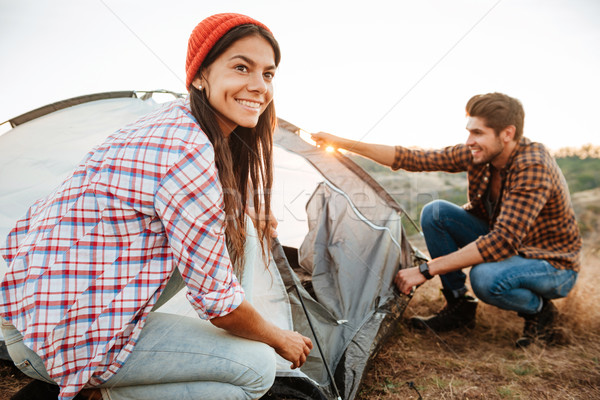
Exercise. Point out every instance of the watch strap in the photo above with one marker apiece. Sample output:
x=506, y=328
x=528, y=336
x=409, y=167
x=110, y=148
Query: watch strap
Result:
x=424, y=269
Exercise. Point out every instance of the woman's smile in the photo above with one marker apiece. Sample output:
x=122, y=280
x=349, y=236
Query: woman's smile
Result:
x=239, y=83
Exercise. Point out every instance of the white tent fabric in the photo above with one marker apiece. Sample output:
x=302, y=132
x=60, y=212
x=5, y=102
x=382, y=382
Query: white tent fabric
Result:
x=264, y=288
x=356, y=243
x=37, y=156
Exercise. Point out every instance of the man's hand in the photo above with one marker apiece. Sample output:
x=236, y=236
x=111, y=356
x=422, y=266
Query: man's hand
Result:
x=408, y=278
x=325, y=139
x=466, y=256
x=294, y=347
x=380, y=153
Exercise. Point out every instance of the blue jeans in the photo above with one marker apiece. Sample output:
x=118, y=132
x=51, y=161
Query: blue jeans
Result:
x=516, y=283
x=176, y=357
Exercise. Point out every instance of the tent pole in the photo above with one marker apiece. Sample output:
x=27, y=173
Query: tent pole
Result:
x=337, y=392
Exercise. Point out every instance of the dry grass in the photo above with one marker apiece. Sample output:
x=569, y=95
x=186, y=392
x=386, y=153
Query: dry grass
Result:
x=483, y=363
x=11, y=379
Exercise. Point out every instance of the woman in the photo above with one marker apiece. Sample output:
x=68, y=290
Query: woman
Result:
x=151, y=205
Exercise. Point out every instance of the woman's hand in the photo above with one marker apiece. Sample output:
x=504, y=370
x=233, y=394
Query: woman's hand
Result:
x=246, y=322
x=294, y=347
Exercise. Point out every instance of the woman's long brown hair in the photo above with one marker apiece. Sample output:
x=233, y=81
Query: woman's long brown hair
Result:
x=250, y=148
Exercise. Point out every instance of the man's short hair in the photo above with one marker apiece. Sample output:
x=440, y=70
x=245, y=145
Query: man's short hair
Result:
x=499, y=111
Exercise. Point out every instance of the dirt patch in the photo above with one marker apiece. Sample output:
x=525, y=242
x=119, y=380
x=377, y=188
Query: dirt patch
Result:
x=483, y=363
x=11, y=379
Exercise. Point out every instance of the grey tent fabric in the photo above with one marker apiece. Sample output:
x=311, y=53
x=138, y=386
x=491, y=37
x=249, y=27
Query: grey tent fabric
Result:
x=338, y=254
x=339, y=242
x=352, y=252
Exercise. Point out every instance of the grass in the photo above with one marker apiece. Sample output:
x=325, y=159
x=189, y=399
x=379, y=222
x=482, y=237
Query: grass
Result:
x=483, y=363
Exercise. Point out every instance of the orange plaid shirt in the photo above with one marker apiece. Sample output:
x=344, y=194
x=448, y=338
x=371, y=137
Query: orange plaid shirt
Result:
x=534, y=217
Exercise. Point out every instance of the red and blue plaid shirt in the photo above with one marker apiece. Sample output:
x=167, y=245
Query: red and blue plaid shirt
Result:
x=88, y=262
x=534, y=217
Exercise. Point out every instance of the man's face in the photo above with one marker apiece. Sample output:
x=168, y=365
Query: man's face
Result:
x=483, y=142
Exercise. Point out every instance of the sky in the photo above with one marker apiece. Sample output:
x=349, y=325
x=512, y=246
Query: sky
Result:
x=392, y=72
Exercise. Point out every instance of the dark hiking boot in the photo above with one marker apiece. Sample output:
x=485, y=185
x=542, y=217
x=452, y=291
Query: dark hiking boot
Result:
x=457, y=313
x=37, y=390
x=539, y=326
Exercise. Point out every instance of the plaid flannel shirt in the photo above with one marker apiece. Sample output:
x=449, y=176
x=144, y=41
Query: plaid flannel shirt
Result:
x=534, y=217
x=88, y=262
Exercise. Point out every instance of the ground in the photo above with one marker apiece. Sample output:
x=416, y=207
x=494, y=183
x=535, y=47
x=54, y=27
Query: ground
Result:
x=11, y=379
x=483, y=363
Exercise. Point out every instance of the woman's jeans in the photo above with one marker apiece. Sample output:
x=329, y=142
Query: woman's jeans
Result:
x=516, y=283
x=176, y=357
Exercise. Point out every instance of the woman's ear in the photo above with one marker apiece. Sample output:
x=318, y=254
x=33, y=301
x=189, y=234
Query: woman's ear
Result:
x=197, y=83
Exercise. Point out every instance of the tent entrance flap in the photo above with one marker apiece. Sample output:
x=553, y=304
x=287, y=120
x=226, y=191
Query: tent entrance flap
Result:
x=344, y=269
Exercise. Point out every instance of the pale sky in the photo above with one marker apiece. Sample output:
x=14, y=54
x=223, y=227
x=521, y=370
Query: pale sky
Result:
x=393, y=72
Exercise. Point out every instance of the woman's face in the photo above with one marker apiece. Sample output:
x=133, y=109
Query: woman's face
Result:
x=239, y=83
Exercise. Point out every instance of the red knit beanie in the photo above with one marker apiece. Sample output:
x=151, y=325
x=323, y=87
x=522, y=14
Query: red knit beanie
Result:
x=206, y=34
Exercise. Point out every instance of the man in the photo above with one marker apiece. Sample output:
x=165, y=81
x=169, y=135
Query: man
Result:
x=518, y=229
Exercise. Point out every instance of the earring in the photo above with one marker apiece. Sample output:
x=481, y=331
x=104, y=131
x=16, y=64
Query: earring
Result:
x=200, y=87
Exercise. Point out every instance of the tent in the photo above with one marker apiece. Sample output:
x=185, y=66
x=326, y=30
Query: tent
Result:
x=340, y=240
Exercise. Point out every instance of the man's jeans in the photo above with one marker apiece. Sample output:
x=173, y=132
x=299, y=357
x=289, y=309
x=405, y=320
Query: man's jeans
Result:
x=176, y=357
x=515, y=283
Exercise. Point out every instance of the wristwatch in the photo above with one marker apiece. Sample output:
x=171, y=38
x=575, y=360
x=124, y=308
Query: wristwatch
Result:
x=424, y=270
